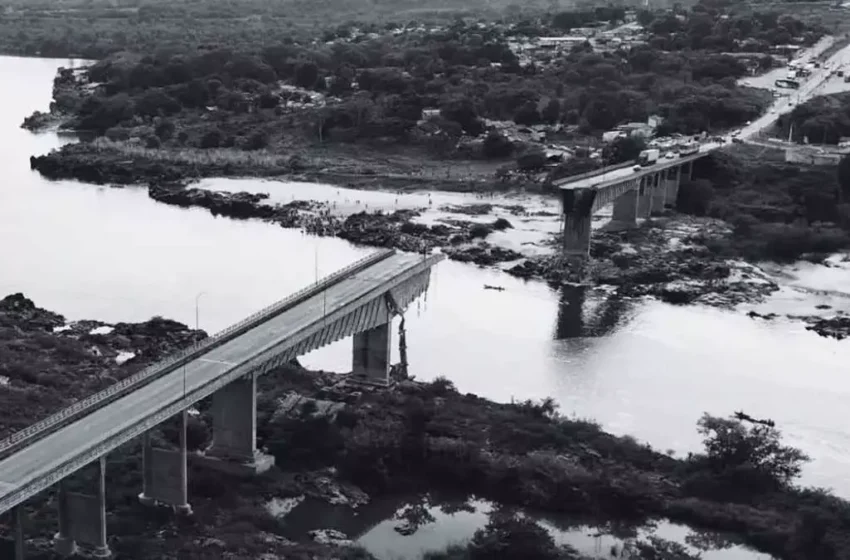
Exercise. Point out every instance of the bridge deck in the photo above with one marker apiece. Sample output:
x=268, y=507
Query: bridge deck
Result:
x=46, y=455
x=617, y=176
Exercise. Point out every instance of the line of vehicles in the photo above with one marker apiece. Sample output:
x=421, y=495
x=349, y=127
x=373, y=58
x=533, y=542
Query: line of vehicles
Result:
x=653, y=155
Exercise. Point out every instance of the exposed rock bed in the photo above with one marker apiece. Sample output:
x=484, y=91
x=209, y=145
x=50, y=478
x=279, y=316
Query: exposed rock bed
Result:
x=664, y=258
x=835, y=327
x=39, y=351
x=461, y=240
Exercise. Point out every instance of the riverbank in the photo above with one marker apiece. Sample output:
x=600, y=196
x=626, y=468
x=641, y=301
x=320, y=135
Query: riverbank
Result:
x=415, y=436
x=677, y=258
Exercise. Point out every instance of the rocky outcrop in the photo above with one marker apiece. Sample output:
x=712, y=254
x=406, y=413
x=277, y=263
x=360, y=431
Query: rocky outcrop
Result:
x=834, y=327
x=460, y=240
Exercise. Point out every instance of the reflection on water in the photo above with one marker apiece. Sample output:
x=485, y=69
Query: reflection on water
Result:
x=384, y=529
x=583, y=314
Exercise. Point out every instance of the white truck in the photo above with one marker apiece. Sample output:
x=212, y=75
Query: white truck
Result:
x=649, y=157
x=689, y=149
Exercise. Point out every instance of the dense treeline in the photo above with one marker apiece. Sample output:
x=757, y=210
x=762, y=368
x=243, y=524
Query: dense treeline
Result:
x=382, y=82
x=93, y=29
x=779, y=211
x=822, y=120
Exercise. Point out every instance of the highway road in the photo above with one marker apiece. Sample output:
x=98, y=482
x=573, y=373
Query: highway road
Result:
x=818, y=83
x=73, y=441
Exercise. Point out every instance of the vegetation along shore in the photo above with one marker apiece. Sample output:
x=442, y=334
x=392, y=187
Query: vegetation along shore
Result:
x=332, y=439
x=490, y=101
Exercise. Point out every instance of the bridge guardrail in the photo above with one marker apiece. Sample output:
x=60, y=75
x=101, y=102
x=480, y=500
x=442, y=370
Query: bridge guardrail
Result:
x=44, y=427
x=594, y=173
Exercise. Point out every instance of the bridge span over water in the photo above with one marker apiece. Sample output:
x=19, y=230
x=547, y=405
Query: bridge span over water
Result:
x=635, y=193
x=359, y=301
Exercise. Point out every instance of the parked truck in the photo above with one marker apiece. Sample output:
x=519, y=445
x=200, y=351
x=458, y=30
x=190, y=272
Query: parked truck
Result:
x=649, y=157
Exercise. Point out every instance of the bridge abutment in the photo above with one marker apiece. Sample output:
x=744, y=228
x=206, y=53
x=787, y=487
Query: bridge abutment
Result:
x=82, y=518
x=577, y=205
x=165, y=476
x=234, y=412
x=371, y=352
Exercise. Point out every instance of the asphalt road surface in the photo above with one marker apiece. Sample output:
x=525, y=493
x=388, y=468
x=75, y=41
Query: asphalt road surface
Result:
x=818, y=83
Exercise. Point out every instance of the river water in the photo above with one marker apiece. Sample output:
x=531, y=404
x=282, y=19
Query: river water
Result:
x=642, y=368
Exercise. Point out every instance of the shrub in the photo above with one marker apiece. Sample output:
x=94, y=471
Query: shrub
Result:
x=749, y=458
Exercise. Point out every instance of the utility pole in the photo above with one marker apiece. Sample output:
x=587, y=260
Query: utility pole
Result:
x=197, y=327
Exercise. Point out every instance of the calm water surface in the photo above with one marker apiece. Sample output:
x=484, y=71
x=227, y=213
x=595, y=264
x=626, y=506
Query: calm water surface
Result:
x=649, y=369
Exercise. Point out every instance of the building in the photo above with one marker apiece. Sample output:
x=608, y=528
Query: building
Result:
x=561, y=42
x=638, y=129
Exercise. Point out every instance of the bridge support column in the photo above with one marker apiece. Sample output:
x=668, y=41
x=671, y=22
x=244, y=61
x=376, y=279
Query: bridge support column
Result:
x=673, y=178
x=234, y=412
x=371, y=354
x=659, y=192
x=165, y=476
x=82, y=518
x=625, y=209
x=18, y=516
x=578, y=208
x=645, y=197
x=690, y=171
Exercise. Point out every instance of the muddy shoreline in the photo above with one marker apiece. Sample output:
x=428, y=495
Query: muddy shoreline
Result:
x=375, y=442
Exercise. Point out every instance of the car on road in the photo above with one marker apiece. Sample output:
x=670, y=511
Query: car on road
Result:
x=737, y=140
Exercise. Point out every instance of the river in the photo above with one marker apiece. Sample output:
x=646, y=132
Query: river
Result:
x=642, y=368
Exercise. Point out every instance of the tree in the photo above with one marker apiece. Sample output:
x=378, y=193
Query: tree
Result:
x=624, y=149
x=508, y=536
x=645, y=17
x=462, y=111
x=496, y=145
x=756, y=452
x=531, y=161
x=844, y=179
x=164, y=129
x=212, y=139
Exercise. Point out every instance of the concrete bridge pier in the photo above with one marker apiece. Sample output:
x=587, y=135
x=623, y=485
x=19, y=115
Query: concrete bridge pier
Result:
x=82, y=518
x=645, y=197
x=674, y=176
x=234, y=443
x=659, y=192
x=18, y=517
x=625, y=210
x=371, y=351
x=578, y=206
x=165, y=476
